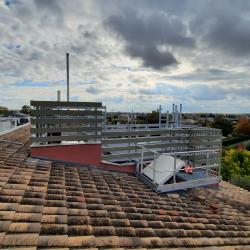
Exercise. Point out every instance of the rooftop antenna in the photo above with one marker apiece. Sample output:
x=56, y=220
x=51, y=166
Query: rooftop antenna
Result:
x=67, y=65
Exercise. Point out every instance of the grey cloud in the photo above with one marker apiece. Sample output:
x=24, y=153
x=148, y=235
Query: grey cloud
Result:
x=78, y=48
x=197, y=92
x=204, y=92
x=51, y=8
x=163, y=89
x=23, y=10
x=151, y=37
x=49, y=5
x=113, y=100
x=93, y=90
x=151, y=56
x=242, y=91
x=211, y=75
x=44, y=45
x=85, y=33
x=224, y=25
x=35, y=56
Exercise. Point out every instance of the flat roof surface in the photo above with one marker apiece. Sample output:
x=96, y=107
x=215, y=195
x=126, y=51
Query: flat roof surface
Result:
x=50, y=205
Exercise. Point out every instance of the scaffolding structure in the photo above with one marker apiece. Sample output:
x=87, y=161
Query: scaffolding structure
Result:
x=57, y=122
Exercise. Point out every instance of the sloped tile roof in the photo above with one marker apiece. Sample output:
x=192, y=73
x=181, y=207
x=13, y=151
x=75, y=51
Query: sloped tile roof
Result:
x=48, y=205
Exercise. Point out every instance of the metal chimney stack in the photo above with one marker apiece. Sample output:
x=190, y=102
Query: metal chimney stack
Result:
x=58, y=95
x=67, y=65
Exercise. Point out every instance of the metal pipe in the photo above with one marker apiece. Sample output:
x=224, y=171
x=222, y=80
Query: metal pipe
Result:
x=160, y=116
x=174, y=177
x=105, y=117
x=58, y=95
x=173, y=115
x=181, y=152
x=167, y=118
x=182, y=170
x=142, y=154
x=181, y=115
x=12, y=142
x=154, y=169
x=176, y=116
x=67, y=68
x=207, y=161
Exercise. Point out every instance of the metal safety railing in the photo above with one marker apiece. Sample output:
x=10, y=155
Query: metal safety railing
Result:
x=211, y=169
x=144, y=126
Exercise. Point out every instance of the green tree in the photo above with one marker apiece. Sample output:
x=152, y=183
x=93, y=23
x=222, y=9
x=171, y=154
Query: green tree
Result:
x=25, y=109
x=235, y=163
x=3, y=110
x=152, y=117
x=224, y=124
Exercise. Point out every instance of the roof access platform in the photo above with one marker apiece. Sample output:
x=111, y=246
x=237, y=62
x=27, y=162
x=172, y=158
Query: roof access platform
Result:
x=169, y=172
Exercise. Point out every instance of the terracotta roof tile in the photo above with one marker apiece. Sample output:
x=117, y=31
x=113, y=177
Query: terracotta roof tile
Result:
x=24, y=227
x=25, y=239
x=125, y=231
x=53, y=241
x=80, y=230
x=57, y=219
x=81, y=241
x=4, y=226
x=50, y=205
x=6, y=215
x=29, y=208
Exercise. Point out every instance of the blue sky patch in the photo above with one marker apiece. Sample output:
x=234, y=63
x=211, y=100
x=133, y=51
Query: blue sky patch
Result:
x=30, y=83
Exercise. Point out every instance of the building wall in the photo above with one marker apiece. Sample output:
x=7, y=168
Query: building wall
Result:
x=125, y=168
x=89, y=154
x=78, y=153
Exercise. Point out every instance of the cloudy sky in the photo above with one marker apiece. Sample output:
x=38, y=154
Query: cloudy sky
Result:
x=127, y=54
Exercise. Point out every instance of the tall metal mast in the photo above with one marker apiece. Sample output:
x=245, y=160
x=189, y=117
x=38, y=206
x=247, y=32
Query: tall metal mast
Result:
x=67, y=65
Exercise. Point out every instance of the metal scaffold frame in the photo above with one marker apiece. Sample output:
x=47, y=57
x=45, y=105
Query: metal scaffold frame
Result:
x=211, y=176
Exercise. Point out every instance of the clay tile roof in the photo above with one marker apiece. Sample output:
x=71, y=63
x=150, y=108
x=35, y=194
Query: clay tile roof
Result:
x=49, y=205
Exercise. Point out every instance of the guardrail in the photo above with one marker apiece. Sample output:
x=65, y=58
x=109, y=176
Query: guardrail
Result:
x=212, y=171
x=123, y=144
x=175, y=154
